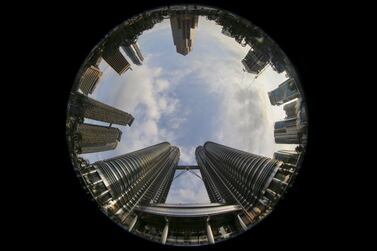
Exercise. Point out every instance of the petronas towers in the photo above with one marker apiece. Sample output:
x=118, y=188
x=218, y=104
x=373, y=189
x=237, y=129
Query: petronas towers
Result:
x=242, y=187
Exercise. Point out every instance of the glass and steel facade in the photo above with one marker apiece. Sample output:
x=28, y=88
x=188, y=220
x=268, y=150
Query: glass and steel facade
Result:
x=85, y=107
x=285, y=92
x=233, y=176
x=138, y=178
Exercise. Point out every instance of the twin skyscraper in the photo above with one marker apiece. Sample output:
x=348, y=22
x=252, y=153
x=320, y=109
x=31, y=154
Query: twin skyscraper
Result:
x=242, y=187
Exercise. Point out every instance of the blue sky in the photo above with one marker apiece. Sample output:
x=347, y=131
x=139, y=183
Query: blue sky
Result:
x=187, y=100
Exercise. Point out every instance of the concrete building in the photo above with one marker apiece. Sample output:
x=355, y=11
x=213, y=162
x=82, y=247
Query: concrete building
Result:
x=95, y=138
x=233, y=176
x=132, y=190
x=85, y=107
x=134, y=53
x=291, y=109
x=286, y=132
x=255, y=60
x=287, y=156
x=116, y=60
x=285, y=92
x=183, y=30
x=89, y=80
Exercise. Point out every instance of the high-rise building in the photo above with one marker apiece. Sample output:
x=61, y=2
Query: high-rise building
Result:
x=284, y=93
x=302, y=121
x=291, y=109
x=236, y=177
x=292, y=161
x=85, y=107
x=226, y=32
x=293, y=129
x=183, y=30
x=278, y=64
x=302, y=117
x=255, y=60
x=134, y=53
x=286, y=131
x=89, y=80
x=287, y=156
x=96, y=138
x=132, y=190
x=139, y=178
x=116, y=60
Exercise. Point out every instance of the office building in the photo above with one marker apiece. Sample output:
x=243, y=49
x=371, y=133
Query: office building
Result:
x=286, y=132
x=285, y=92
x=85, y=107
x=291, y=109
x=95, y=138
x=183, y=30
x=233, y=176
x=116, y=60
x=89, y=80
x=134, y=53
x=255, y=60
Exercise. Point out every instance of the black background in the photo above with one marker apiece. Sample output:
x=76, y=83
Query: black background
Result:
x=60, y=36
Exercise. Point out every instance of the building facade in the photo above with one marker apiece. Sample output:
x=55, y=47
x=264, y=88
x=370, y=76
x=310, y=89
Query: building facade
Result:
x=85, y=107
x=287, y=156
x=294, y=128
x=286, y=132
x=116, y=60
x=291, y=109
x=183, y=30
x=96, y=138
x=89, y=80
x=255, y=60
x=285, y=92
x=134, y=53
x=243, y=187
x=139, y=178
x=236, y=177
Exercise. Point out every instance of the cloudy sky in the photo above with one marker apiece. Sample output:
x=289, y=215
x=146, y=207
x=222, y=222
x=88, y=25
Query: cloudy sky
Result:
x=188, y=100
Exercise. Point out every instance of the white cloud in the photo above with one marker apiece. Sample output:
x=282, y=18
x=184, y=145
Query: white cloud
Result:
x=244, y=118
x=143, y=93
x=187, y=188
x=162, y=85
x=187, y=155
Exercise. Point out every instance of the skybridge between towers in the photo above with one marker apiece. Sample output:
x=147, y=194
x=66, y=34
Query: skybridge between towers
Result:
x=242, y=188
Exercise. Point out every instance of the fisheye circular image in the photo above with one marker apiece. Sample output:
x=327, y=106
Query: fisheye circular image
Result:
x=186, y=125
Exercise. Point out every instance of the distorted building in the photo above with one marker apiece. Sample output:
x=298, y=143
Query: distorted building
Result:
x=183, y=30
x=291, y=109
x=286, y=132
x=96, y=138
x=85, y=107
x=278, y=64
x=293, y=129
x=302, y=117
x=292, y=161
x=134, y=53
x=255, y=60
x=89, y=80
x=225, y=31
x=139, y=178
x=233, y=176
x=116, y=60
x=132, y=189
x=285, y=92
x=287, y=156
